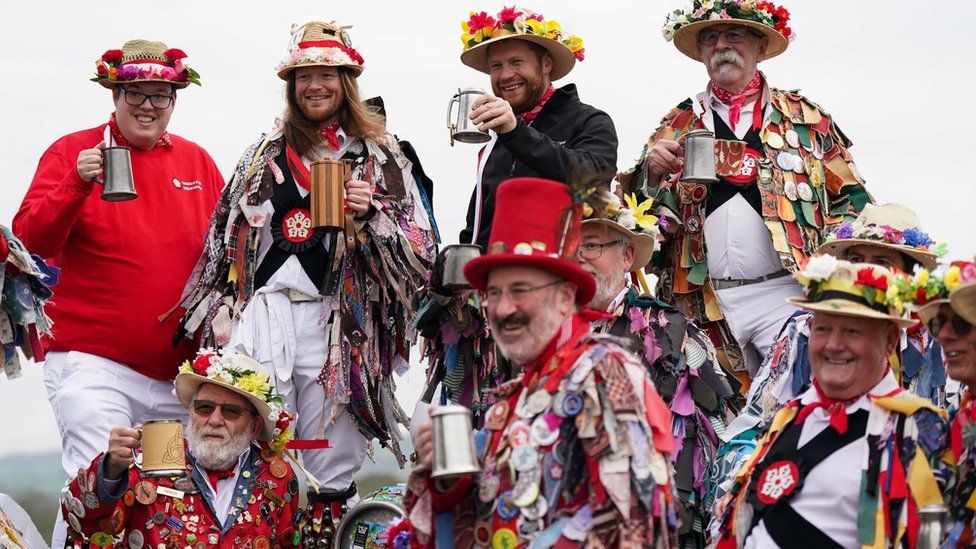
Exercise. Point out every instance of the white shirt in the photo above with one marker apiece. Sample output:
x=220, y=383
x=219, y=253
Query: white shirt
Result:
x=737, y=242
x=224, y=493
x=830, y=492
x=603, y=324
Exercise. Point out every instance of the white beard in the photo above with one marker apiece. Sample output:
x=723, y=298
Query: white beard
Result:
x=216, y=454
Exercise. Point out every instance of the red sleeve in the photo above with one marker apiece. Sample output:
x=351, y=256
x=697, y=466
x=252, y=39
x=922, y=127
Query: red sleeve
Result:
x=83, y=490
x=53, y=202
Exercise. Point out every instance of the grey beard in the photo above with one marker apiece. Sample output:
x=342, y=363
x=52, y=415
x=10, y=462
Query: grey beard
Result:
x=216, y=454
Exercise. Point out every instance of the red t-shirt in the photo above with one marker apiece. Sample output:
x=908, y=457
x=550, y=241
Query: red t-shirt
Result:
x=123, y=263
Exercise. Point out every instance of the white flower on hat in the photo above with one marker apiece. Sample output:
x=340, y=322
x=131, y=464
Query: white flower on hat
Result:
x=627, y=219
x=820, y=267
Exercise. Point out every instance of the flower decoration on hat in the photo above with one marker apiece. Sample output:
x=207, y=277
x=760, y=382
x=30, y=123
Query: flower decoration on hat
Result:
x=218, y=367
x=320, y=44
x=824, y=277
x=926, y=286
x=517, y=21
x=765, y=13
x=632, y=215
x=144, y=61
x=912, y=237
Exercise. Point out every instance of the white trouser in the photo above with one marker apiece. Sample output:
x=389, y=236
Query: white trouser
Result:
x=90, y=396
x=755, y=314
x=287, y=338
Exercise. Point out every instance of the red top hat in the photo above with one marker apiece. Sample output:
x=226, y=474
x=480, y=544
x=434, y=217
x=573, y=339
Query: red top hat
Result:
x=536, y=224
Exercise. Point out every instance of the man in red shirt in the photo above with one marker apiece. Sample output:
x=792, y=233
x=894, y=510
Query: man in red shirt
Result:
x=110, y=361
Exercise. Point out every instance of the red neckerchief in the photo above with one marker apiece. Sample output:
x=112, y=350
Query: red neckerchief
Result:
x=531, y=115
x=736, y=100
x=331, y=135
x=298, y=170
x=218, y=475
x=836, y=409
x=963, y=417
x=120, y=141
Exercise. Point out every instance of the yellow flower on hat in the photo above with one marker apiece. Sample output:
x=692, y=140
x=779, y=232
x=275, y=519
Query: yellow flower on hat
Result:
x=921, y=277
x=254, y=383
x=951, y=279
x=644, y=220
x=574, y=43
x=549, y=29
x=587, y=210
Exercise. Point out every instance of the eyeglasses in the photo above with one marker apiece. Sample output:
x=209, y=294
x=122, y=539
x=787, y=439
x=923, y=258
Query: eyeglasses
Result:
x=593, y=250
x=515, y=294
x=230, y=412
x=136, y=99
x=959, y=325
x=734, y=35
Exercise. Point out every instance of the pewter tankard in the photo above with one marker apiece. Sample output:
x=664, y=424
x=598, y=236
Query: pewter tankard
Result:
x=454, y=454
x=462, y=129
x=117, y=184
x=456, y=256
x=931, y=529
x=699, y=165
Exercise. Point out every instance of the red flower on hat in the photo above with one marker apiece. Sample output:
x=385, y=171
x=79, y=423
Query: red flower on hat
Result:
x=578, y=54
x=354, y=55
x=101, y=69
x=112, y=56
x=868, y=277
x=480, y=21
x=201, y=363
x=508, y=15
x=174, y=54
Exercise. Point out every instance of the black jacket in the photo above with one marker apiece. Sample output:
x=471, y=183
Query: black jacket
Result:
x=568, y=139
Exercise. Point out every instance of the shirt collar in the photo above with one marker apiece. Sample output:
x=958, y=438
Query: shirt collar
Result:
x=885, y=386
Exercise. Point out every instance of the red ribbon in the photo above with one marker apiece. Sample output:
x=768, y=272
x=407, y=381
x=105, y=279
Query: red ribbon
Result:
x=308, y=444
x=736, y=100
x=298, y=170
x=836, y=409
x=331, y=135
x=219, y=475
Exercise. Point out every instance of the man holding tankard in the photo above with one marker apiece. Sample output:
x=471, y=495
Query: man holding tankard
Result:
x=536, y=129
x=110, y=361
x=318, y=296
x=230, y=486
x=574, y=451
x=785, y=178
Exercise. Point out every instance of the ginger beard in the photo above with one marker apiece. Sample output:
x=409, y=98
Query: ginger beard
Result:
x=216, y=448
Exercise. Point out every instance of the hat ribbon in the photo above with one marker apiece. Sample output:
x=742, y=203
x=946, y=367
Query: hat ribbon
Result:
x=839, y=294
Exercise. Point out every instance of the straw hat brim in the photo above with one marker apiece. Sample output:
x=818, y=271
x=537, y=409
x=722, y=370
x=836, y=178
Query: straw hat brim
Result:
x=843, y=307
x=686, y=37
x=283, y=73
x=106, y=83
x=928, y=311
x=476, y=271
x=186, y=386
x=563, y=60
x=963, y=301
x=837, y=247
x=643, y=243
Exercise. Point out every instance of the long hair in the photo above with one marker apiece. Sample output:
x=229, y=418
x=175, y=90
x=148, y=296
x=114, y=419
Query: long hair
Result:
x=355, y=117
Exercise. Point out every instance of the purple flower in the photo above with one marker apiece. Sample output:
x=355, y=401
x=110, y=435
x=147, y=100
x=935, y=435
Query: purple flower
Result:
x=128, y=72
x=402, y=541
x=845, y=231
x=916, y=238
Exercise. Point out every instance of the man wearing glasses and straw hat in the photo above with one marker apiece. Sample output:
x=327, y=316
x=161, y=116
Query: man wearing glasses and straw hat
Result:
x=852, y=460
x=237, y=491
x=536, y=129
x=326, y=311
x=109, y=359
x=784, y=178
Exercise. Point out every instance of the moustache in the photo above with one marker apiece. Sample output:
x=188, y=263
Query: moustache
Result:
x=726, y=56
x=516, y=320
x=215, y=431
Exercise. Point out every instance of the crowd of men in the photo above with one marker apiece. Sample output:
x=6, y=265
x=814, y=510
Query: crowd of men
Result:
x=785, y=385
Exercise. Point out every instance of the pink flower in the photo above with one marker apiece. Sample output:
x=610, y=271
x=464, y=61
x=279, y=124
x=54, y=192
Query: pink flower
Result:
x=507, y=15
x=892, y=235
x=480, y=21
x=168, y=73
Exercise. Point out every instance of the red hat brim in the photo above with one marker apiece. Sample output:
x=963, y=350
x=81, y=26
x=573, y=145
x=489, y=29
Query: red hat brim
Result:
x=476, y=271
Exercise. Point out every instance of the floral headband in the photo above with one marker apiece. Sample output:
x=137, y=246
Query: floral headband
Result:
x=764, y=13
x=215, y=366
x=911, y=237
x=825, y=277
x=481, y=26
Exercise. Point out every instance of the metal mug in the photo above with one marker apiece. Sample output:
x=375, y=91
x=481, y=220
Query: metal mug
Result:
x=456, y=256
x=327, y=189
x=462, y=129
x=163, y=452
x=699, y=164
x=117, y=184
x=931, y=528
x=454, y=453
x=367, y=522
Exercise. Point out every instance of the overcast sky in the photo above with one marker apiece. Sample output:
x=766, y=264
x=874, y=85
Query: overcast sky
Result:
x=895, y=76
